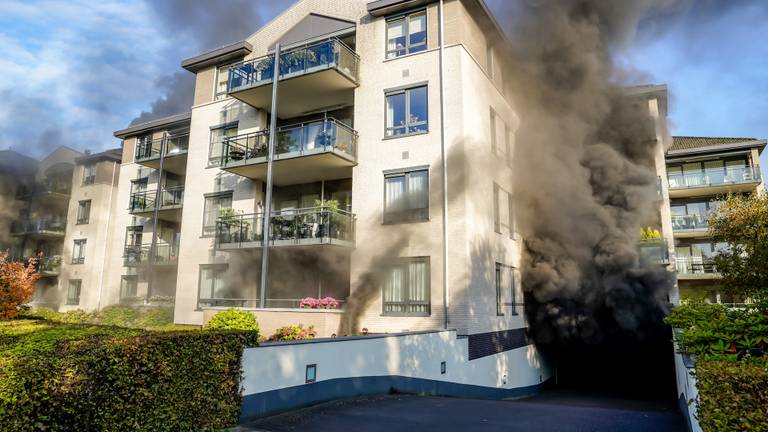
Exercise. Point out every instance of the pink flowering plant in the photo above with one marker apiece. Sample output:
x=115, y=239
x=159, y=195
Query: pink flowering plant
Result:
x=323, y=303
x=293, y=332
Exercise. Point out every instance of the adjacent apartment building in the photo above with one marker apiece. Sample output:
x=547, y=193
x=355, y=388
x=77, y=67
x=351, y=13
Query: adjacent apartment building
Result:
x=374, y=103
x=700, y=171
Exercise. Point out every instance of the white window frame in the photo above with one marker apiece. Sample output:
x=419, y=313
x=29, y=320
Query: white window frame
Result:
x=409, y=49
x=83, y=212
x=79, y=246
x=389, y=130
x=208, y=230
x=214, y=161
x=89, y=173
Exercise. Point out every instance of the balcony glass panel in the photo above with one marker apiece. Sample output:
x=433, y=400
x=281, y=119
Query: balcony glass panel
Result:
x=694, y=265
x=301, y=226
x=144, y=201
x=736, y=174
x=696, y=221
x=297, y=61
x=148, y=149
x=40, y=226
x=292, y=141
x=165, y=253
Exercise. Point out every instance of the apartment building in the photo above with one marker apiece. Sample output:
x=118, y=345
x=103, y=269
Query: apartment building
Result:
x=700, y=171
x=374, y=103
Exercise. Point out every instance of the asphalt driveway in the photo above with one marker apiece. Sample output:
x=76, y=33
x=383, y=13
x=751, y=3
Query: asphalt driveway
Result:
x=550, y=411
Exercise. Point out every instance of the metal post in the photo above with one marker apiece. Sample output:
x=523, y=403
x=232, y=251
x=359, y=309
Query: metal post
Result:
x=444, y=160
x=266, y=216
x=158, y=196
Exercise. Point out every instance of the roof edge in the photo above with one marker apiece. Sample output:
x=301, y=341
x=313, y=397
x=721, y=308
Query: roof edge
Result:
x=115, y=154
x=760, y=143
x=152, y=124
x=217, y=55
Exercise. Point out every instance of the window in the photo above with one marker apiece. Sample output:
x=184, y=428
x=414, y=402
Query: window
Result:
x=406, y=196
x=222, y=77
x=505, y=282
x=129, y=286
x=406, y=111
x=78, y=252
x=213, y=206
x=406, y=288
x=490, y=61
x=218, y=135
x=501, y=141
x=83, y=212
x=89, y=174
x=73, y=291
x=212, y=284
x=503, y=214
x=407, y=34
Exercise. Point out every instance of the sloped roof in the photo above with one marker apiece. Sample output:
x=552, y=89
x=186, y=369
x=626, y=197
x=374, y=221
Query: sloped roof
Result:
x=690, y=143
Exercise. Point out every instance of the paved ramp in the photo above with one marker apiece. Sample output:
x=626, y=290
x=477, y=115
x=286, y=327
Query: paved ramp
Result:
x=550, y=411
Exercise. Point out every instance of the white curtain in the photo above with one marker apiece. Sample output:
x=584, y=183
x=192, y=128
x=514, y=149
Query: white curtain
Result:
x=417, y=23
x=417, y=190
x=395, y=189
x=393, y=289
x=395, y=34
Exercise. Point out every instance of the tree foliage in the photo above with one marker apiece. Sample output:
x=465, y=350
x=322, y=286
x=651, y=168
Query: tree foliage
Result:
x=17, y=283
x=741, y=221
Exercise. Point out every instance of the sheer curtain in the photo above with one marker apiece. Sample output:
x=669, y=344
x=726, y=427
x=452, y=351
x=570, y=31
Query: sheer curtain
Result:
x=417, y=285
x=393, y=290
x=395, y=191
x=417, y=192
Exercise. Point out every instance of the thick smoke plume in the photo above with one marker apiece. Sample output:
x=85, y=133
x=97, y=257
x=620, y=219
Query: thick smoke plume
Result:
x=584, y=172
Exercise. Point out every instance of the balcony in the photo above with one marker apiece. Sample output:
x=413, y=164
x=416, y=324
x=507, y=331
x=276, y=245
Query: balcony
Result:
x=695, y=268
x=690, y=225
x=45, y=265
x=654, y=252
x=302, y=227
x=148, y=153
x=50, y=189
x=313, y=76
x=171, y=201
x=304, y=153
x=42, y=228
x=165, y=255
x=713, y=182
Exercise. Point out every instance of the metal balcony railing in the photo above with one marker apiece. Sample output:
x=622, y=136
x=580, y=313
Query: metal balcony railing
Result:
x=305, y=59
x=291, y=303
x=716, y=177
x=152, y=149
x=690, y=222
x=314, y=225
x=44, y=187
x=40, y=226
x=691, y=266
x=144, y=201
x=292, y=141
x=164, y=254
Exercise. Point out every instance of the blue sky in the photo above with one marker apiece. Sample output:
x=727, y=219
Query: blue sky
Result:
x=73, y=72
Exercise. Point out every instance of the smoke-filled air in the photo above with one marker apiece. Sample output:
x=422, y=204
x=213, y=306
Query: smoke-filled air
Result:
x=584, y=173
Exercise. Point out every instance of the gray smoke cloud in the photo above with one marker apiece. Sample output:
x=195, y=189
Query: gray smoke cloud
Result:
x=198, y=26
x=584, y=178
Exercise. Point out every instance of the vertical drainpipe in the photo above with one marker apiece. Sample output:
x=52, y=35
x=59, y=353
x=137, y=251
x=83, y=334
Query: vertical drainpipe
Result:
x=444, y=168
x=267, y=208
x=153, y=245
x=106, y=240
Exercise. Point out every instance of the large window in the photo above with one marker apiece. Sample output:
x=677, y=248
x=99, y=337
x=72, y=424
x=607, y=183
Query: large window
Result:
x=213, y=205
x=406, y=111
x=78, y=252
x=83, y=212
x=503, y=213
x=407, y=34
x=719, y=171
x=406, y=196
x=218, y=135
x=222, y=77
x=89, y=174
x=501, y=141
x=73, y=291
x=212, y=284
x=406, y=288
x=505, y=283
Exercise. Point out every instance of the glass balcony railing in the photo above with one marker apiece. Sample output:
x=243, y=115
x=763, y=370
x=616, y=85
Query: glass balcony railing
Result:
x=693, y=266
x=174, y=145
x=40, y=226
x=718, y=177
x=315, y=225
x=144, y=201
x=292, y=141
x=44, y=187
x=690, y=222
x=305, y=59
x=165, y=254
x=654, y=252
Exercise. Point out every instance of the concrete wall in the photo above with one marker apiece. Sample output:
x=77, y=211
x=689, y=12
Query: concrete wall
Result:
x=326, y=322
x=274, y=374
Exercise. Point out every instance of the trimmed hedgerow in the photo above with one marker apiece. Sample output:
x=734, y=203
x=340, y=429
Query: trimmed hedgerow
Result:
x=56, y=376
x=733, y=396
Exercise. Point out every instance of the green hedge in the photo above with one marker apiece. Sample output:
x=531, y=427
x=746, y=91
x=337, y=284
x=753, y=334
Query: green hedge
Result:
x=733, y=396
x=56, y=376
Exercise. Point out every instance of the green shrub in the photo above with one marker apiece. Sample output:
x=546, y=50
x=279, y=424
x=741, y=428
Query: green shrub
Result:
x=233, y=319
x=733, y=396
x=293, y=332
x=119, y=315
x=62, y=377
x=156, y=317
x=43, y=313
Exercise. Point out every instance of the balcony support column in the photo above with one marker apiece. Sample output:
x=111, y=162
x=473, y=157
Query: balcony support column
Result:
x=158, y=196
x=267, y=207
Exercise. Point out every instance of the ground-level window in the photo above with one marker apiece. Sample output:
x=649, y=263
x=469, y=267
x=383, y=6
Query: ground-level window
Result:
x=129, y=287
x=407, y=34
x=503, y=214
x=506, y=282
x=73, y=291
x=213, y=205
x=406, y=288
x=78, y=251
x=406, y=196
x=218, y=135
x=212, y=284
x=83, y=212
x=406, y=111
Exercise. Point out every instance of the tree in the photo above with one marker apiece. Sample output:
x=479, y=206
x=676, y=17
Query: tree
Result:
x=17, y=282
x=741, y=221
